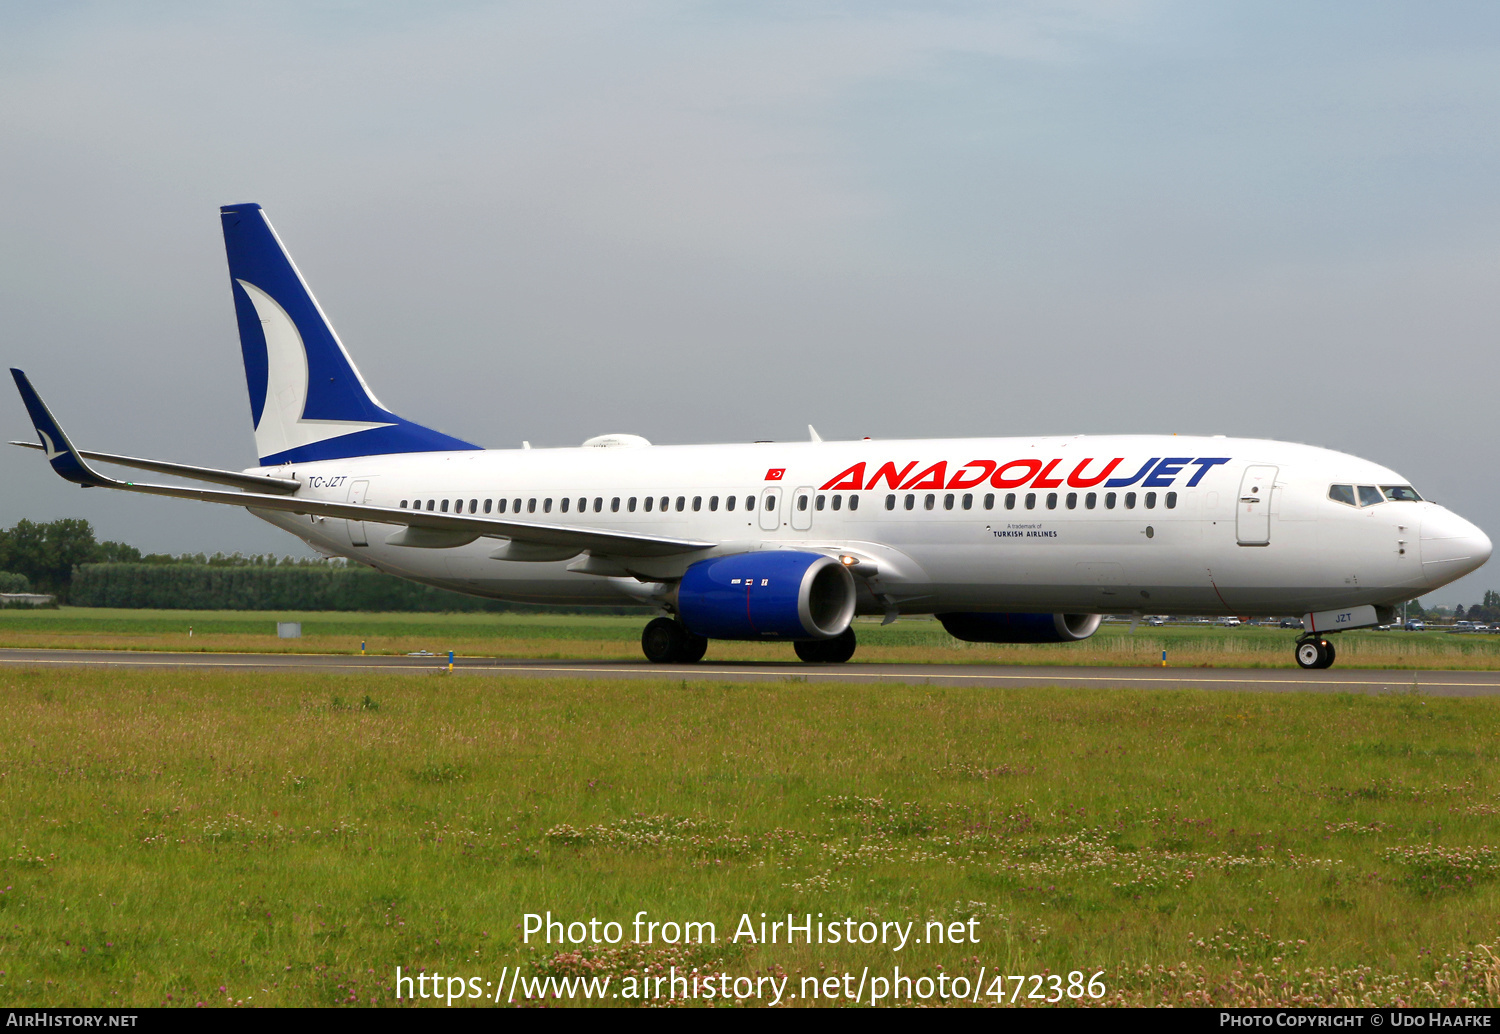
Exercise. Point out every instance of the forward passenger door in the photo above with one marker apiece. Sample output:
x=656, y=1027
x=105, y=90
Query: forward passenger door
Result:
x=1252, y=522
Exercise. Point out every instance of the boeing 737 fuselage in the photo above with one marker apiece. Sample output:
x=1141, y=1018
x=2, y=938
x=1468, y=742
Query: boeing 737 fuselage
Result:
x=1004, y=539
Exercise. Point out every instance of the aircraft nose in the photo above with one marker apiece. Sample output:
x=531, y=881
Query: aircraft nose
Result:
x=1451, y=547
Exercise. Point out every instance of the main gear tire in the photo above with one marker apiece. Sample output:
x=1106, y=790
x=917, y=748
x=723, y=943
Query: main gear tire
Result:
x=827, y=651
x=665, y=641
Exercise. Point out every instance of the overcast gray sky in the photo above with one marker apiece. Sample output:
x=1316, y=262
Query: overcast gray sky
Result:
x=723, y=221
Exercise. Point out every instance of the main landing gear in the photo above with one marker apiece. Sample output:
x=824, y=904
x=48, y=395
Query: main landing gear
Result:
x=827, y=651
x=667, y=642
x=1314, y=652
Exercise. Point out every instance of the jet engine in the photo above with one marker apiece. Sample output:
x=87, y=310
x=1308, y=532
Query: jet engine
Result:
x=1020, y=628
x=772, y=594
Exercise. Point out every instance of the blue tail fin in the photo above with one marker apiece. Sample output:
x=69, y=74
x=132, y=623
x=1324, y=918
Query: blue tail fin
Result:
x=306, y=397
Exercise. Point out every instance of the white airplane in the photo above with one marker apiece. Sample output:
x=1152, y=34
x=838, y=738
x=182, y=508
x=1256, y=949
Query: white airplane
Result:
x=1005, y=540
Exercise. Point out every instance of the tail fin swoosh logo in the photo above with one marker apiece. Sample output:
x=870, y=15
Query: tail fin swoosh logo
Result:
x=282, y=425
x=52, y=451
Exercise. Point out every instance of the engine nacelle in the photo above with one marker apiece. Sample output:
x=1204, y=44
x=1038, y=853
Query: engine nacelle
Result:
x=773, y=594
x=1020, y=628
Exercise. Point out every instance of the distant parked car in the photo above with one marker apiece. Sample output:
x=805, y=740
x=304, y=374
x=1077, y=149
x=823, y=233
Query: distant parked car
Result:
x=1230, y=622
x=1153, y=621
x=1462, y=626
x=1414, y=625
x=1291, y=622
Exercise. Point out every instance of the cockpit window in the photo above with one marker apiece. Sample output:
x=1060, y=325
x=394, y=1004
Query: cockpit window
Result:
x=1342, y=494
x=1369, y=495
x=1401, y=493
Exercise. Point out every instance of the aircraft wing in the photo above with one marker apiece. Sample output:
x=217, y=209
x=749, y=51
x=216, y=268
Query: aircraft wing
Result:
x=71, y=464
x=233, y=478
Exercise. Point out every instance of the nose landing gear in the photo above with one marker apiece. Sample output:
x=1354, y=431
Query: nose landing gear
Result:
x=1315, y=652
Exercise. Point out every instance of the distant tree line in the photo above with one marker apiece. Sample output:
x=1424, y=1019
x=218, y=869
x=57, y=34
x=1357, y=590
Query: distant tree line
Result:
x=62, y=557
x=204, y=586
x=1487, y=612
x=42, y=557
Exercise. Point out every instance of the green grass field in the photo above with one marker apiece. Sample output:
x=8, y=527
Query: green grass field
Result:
x=266, y=839
x=544, y=636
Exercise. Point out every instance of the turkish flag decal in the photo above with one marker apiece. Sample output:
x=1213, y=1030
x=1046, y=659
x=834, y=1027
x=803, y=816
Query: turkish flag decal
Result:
x=775, y=473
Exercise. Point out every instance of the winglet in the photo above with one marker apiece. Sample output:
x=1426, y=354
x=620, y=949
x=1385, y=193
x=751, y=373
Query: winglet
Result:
x=60, y=452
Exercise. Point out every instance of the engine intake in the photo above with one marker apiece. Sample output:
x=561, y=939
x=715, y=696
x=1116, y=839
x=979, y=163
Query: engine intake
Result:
x=1020, y=628
x=774, y=594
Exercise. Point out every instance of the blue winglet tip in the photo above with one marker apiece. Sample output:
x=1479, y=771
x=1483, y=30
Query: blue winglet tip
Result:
x=60, y=451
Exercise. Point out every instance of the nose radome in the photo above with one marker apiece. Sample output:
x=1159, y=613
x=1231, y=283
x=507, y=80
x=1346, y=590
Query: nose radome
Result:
x=1451, y=546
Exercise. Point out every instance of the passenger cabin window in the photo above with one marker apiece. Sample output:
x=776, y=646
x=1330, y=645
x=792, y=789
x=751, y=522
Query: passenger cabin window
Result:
x=697, y=503
x=948, y=501
x=547, y=505
x=853, y=502
x=749, y=502
x=564, y=506
x=911, y=502
x=1369, y=495
x=770, y=502
x=599, y=504
x=1150, y=500
x=1171, y=500
x=1401, y=493
x=1130, y=500
x=1072, y=500
x=445, y=506
x=630, y=505
x=989, y=500
x=614, y=505
x=1109, y=500
x=474, y=505
x=500, y=506
x=515, y=507
x=1051, y=500
x=1090, y=500
x=1342, y=494
x=838, y=501
x=713, y=503
x=664, y=501
x=930, y=501
x=968, y=501
x=802, y=502
x=1010, y=500
x=487, y=503
x=650, y=502
x=1031, y=500
x=820, y=502
x=729, y=501
x=403, y=504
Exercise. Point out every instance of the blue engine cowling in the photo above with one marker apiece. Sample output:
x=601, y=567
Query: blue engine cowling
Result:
x=774, y=594
x=1020, y=628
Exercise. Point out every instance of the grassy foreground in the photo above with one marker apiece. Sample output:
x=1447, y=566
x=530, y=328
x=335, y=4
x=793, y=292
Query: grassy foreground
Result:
x=578, y=637
x=260, y=839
